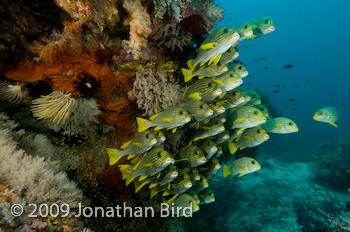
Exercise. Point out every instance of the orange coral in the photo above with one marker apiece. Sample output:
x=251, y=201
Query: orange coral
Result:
x=64, y=71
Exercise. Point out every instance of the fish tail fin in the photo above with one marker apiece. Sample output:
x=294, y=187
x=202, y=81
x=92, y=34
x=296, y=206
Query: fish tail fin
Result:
x=189, y=64
x=138, y=186
x=126, y=173
x=187, y=74
x=172, y=199
x=114, y=155
x=154, y=191
x=142, y=124
x=226, y=171
x=233, y=147
x=333, y=124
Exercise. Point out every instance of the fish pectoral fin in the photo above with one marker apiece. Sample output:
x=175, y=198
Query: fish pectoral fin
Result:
x=241, y=148
x=254, y=26
x=277, y=126
x=241, y=120
x=220, y=83
x=242, y=174
x=195, y=96
x=137, y=144
x=167, y=120
x=241, y=166
x=157, y=128
x=240, y=130
x=147, y=165
x=173, y=130
x=333, y=124
x=207, y=46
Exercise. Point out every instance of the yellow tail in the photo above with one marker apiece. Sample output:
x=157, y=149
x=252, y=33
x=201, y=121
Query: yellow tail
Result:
x=187, y=74
x=142, y=124
x=114, y=155
x=138, y=186
x=233, y=147
x=333, y=124
x=226, y=171
x=126, y=173
x=153, y=192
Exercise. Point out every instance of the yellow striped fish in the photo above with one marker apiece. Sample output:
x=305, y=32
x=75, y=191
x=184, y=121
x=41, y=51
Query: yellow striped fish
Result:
x=230, y=80
x=250, y=138
x=280, y=125
x=212, y=128
x=183, y=205
x=210, y=168
x=244, y=30
x=203, y=71
x=170, y=119
x=209, y=148
x=198, y=110
x=242, y=166
x=142, y=142
x=261, y=26
x=328, y=115
x=205, y=90
x=229, y=55
x=263, y=109
x=245, y=117
x=201, y=184
x=233, y=99
x=193, y=173
x=238, y=68
x=151, y=163
x=254, y=97
x=190, y=156
x=206, y=196
x=218, y=42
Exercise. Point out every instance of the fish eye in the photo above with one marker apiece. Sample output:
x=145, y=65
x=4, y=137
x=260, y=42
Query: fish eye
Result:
x=210, y=194
x=213, y=161
x=246, y=26
x=254, y=95
x=290, y=124
x=159, y=154
x=147, y=136
x=225, y=30
x=233, y=93
x=267, y=21
x=253, y=162
x=210, y=85
x=256, y=112
x=158, y=133
x=240, y=67
x=216, y=123
x=319, y=113
x=189, y=202
x=231, y=75
x=180, y=112
x=201, y=107
x=214, y=103
x=208, y=143
x=258, y=131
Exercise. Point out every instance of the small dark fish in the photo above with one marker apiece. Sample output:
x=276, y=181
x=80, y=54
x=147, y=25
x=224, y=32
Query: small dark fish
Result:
x=309, y=79
x=283, y=87
x=276, y=91
x=278, y=52
x=277, y=85
x=247, y=11
x=266, y=68
x=264, y=58
x=291, y=100
x=294, y=108
x=246, y=46
x=229, y=19
x=296, y=86
x=288, y=66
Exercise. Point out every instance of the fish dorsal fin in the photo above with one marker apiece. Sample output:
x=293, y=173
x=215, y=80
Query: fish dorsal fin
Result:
x=154, y=116
x=212, y=59
x=157, y=128
x=142, y=178
x=125, y=145
x=207, y=46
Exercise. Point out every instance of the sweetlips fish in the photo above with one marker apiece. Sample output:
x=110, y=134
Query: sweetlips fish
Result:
x=242, y=166
x=191, y=156
x=201, y=184
x=245, y=117
x=142, y=142
x=230, y=80
x=217, y=107
x=238, y=68
x=328, y=115
x=235, y=133
x=217, y=43
x=179, y=185
x=210, y=168
x=214, y=127
x=280, y=125
x=203, y=71
x=206, y=196
x=193, y=194
x=233, y=99
x=222, y=137
x=198, y=110
x=229, y=55
x=193, y=173
x=146, y=165
x=160, y=137
x=244, y=30
x=261, y=26
x=263, y=109
x=171, y=119
x=164, y=177
x=219, y=152
x=250, y=138
x=205, y=90
x=209, y=148
x=254, y=97
x=181, y=203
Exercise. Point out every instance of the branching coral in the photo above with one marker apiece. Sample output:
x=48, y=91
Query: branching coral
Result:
x=172, y=7
x=12, y=92
x=55, y=107
x=213, y=13
x=153, y=91
x=172, y=36
x=140, y=26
